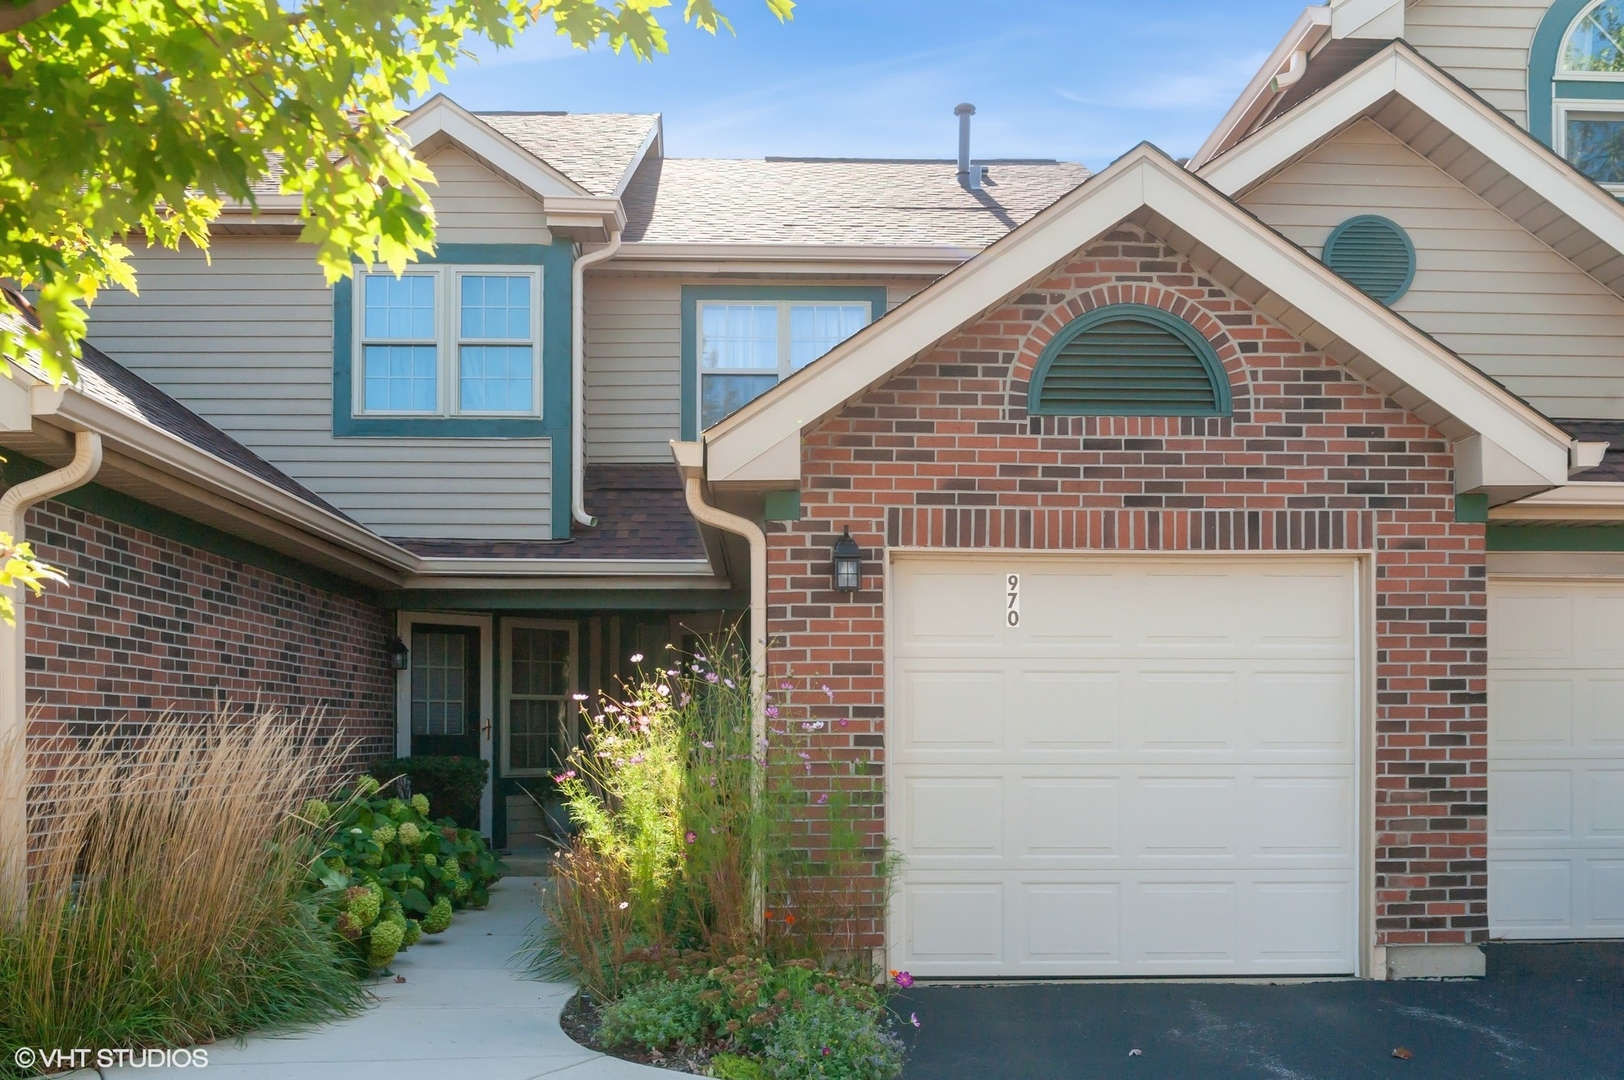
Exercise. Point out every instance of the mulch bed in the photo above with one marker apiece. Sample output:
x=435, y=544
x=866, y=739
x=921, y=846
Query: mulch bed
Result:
x=580, y=1020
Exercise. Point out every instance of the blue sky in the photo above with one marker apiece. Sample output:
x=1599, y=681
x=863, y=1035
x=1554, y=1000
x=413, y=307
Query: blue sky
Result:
x=1079, y=80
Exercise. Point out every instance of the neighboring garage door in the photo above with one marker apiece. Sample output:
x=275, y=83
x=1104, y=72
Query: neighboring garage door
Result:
x=1556, y=759
x=1151, y=773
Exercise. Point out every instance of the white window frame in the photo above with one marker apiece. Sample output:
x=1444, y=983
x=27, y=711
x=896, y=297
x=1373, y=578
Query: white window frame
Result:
x=572, y=711
x=1562, y=108
x=784, y=369
x=1562, y=73
x=448, y=340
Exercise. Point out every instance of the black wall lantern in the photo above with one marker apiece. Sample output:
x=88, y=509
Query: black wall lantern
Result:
x=848, y=563
x=400, y=657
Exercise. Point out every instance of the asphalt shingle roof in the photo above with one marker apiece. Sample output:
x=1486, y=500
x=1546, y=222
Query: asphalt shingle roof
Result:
x=835, y=201
x=1611, y=432
x=593, y=149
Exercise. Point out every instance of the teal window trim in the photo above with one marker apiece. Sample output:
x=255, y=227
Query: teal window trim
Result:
x=692, y=295
x=1542, y=58
x=1397, y=230
x=1472, y=507
x=555, y=261
x=783, y=505
x=1555, y=537
x=1143, y=313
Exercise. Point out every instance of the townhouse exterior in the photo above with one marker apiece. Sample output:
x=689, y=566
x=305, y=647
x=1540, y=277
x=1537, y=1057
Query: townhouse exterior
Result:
x=1240, y=540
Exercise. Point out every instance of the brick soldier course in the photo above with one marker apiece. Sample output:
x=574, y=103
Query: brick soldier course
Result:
x=944, y=455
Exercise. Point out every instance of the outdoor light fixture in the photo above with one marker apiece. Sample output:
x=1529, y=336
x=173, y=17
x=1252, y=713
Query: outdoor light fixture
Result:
x=848, y=563
x=400, y=657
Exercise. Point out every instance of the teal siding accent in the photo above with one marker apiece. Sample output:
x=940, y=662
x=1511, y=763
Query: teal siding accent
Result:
x=1542, y=56
x=1129, y=360
x=1374, y=255
x=1472, y=507
x=693, y=294
x=1556, y=537
x=118, y=507
x=783, y=506
x=555, y=261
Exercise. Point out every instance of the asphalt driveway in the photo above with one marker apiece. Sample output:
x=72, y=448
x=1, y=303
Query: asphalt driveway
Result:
x=1538, y=1014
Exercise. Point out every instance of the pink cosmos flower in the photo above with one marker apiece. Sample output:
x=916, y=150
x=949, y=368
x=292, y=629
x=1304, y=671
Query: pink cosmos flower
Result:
x=690, y=836
x=903, y=979
x=913, y=1018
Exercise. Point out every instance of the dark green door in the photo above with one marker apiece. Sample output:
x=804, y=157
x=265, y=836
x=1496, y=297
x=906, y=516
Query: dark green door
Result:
x=445, y=690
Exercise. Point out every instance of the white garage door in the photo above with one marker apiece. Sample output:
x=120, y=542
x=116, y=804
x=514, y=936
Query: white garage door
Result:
x=1556, y=760
x=1151, y=773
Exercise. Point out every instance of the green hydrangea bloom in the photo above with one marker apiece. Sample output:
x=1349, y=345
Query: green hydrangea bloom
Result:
x=414, y=933
x=420, y=803
x=439, y=916
x=450, y=869
x=317, y=812
x=366, y=786
x=338, y=864
x=409, y=834
x=373, y=859
x=431, y=861
x=393, y=911
x=384, y=942
x=395, y=808
x=383, y=834
x=349, y=927
x=460, y=887
x=362, y=903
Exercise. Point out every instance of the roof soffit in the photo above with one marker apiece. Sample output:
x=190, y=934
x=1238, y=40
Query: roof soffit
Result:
x=1463, y=136
x=1280, y=279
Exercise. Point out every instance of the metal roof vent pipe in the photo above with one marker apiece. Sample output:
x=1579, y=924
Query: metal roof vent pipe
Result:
x=969, y=177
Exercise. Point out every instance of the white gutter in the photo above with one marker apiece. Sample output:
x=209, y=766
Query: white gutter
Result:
x=1305, y=34
x=14, y=504
x=578, y=377
x=691, y=462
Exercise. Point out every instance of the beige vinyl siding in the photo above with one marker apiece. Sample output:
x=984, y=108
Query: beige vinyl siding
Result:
x=1483, y=43
x=1484, y=287
x=634, y=364
x=247, y=343
x=475, y=206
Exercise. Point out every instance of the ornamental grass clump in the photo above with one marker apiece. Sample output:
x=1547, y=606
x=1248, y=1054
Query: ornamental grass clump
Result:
x=166, y=902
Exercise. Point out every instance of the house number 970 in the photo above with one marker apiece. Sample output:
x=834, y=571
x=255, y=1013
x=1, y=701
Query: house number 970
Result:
x=1012, y=600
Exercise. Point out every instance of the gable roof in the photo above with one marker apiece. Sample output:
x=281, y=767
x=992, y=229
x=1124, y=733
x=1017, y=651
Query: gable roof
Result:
x=1512, y=445
x=1462, y=135
x=599, y=151
x=836, y=201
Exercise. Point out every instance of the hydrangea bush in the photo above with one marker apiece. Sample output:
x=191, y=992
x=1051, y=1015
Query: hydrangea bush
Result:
x=388, y=874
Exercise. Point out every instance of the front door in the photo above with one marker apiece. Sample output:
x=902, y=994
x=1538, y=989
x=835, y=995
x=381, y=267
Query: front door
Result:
x=445, y=690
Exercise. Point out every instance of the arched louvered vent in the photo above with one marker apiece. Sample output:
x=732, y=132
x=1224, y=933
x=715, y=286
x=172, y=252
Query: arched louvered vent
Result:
x=1374, y=255
x=1129, y=360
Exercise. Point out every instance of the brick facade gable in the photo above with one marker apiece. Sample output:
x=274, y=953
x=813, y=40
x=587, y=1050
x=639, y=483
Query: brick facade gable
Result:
x=943, y=455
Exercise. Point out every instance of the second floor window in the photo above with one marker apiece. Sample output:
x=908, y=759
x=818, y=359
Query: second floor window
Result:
x=1588, y=94
x=450, y=341
x=744, y=348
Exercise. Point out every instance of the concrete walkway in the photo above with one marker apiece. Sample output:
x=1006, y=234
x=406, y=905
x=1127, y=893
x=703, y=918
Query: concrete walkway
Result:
x=466, y=1011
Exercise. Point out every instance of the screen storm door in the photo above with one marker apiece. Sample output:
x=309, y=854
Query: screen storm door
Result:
x=540, y=714
x=445, y=690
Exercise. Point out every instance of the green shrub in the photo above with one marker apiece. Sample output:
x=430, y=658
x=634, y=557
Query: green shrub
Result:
x=452, y=784
x=831, y=1037
x=388, y=874
x=658, y=1014
x=736, y=1067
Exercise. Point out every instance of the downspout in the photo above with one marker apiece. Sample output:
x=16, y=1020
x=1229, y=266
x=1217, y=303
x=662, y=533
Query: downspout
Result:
x=578, y=377
x=14, y=504
x=1293, y=73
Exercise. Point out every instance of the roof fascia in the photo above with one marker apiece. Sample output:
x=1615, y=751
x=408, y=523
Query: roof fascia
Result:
x=904, y=260
x=1580, y=502
x=1311, y=27
x=1399, y=70
x=1144, y=178
x=440, y=116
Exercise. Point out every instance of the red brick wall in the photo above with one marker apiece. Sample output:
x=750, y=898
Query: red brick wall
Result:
x=148, y=625
x=944, y=455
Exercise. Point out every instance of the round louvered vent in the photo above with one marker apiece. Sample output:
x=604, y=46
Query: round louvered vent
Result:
x=1374, y=255
x=1129, y=360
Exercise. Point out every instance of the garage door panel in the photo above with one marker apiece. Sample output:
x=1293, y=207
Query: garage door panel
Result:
x=1065, y=709
x=1303, y=922
x=1071, y=923
x=950, y=709
x=1531, y=803
x=1556, y=759
x=1303, y=816
x=947, y=609
x=954, y=817
x=1173, y=752
x=1071, y=817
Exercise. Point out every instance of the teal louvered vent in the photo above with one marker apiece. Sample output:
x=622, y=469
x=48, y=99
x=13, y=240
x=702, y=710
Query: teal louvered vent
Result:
x=1129, y=360
x=1373, y=255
